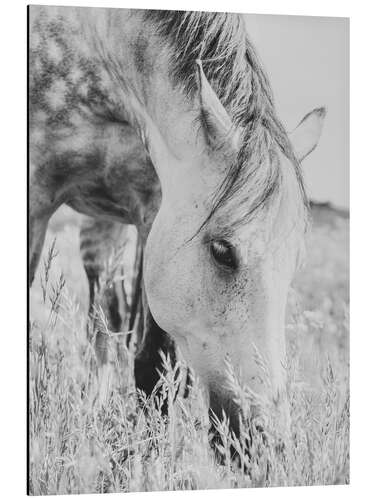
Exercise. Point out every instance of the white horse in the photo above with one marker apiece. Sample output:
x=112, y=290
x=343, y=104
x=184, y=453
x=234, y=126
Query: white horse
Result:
x=166, y=120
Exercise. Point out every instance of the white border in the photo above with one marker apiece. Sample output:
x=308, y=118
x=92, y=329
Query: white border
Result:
x=13, y=239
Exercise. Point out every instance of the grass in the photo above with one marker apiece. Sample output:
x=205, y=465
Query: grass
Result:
x=80, y=445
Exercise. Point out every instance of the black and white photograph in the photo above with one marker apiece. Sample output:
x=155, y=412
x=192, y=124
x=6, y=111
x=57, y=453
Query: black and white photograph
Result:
x=188, y=250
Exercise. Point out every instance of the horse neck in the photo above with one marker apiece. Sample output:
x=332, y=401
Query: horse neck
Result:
x=137, y=61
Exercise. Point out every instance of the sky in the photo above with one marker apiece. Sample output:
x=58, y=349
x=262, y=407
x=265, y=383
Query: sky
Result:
x=307, y=61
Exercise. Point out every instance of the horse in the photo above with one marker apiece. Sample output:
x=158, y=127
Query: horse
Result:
x=166, y=120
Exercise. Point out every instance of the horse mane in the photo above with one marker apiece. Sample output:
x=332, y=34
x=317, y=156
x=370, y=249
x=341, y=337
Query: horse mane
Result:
x=235, y=73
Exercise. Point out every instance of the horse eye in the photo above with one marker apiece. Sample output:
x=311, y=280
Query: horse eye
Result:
x=223, y=253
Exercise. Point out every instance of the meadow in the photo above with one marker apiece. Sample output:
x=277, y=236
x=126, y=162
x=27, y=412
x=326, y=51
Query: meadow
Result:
x=79, y=443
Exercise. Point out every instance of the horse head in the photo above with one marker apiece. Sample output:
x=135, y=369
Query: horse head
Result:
x=216, y=277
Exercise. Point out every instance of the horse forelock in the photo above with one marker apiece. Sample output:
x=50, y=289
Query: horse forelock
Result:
x=235, y=73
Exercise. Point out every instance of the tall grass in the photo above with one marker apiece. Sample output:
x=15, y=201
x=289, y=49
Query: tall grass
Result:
x=81, y=444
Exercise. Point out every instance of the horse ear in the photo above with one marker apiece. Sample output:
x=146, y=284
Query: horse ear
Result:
x=220, y=127
x=306, y=135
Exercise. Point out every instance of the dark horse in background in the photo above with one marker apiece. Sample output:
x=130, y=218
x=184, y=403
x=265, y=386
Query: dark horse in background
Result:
x=165, y=120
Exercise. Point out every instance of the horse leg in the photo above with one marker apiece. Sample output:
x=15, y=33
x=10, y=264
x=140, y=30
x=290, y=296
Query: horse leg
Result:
x=40, y=211
x=101, y=245
x=148, y=361
x=37, y=233
x=148, y=364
